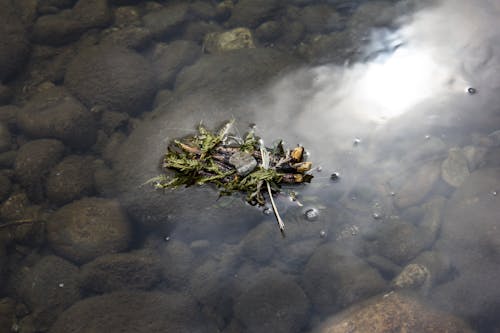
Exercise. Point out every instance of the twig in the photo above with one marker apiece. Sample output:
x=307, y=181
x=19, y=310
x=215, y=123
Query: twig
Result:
x=265, y=164
x=17, y=222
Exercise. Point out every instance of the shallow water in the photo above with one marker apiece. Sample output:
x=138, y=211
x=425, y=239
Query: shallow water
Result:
x=398, y=99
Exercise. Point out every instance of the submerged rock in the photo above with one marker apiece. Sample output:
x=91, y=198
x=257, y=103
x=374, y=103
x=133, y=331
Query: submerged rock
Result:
x=250, y=13
x=393, y=312
x=454, y=169
x=335, y=278
x=88, y=228
x=134, y=312
x=166, y=21
x=33, y=162
x=48, y=288
x=239, y=38
x=112, y=77
x=121, y=271
x=272, y=302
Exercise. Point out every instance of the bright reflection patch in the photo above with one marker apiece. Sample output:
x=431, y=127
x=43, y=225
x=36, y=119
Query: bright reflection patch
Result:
x=400, y=81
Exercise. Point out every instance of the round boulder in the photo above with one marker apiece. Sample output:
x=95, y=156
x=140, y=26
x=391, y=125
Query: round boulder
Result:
x=393, y=312
x=71, y=179
x=112, y=77
x=335, y=278
x=133, y=312
x=14, y=45
x=88, y=228
x=49, y=287
x=55, y=114
x=33, y=162
x=272, y=302
x=121, y=271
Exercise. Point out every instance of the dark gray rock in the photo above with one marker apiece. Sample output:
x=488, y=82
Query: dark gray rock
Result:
x=320, y=19
x=387, y=313
x=470, y=237
x=250, y=13
x=57, y=29
x=177, y=261
x=56, y=114
x=399, y=241
x=335, y=278
x=136, y=38
x=7, y=314
x=14, y=45
x=455, y=168
x=268, y=31
x=5, y=94
x=272, y=302
x=259, y=243
x=170, y=59
x=8, y=159
x=68, y=25
x=197, y=30
x=88, y=228
x=48, y=288
x=5, y=187
x=5, y=139
x=133, y=312
x=121, y=271
x=166, y=21
x=33, y=162
x=71, y=179
x=112, y=77
x=202, y=10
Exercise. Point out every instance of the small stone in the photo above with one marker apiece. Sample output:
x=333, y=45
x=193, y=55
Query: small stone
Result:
x=454, y=169
x=243, y=162
x=413, y=276
x=239, y=38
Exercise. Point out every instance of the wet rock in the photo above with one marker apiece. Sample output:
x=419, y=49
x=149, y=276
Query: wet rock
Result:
x=133, y=312
x=88, y=228
x=470, y=238
x=125, y=16
x=177, y=261
x=454, y=169
x=5, y=187
x=243, y=162
x=5, y=140
x=398, y=241
x=475, y=156
x=71, y=179
x=136, y=38
x=430, y=225
x=7, y=314
x=413, y=276
x=268, y=31
x=33, y=162
x=246, y=68
x=272, y=302
x=170, y=59
x=239, y=38
x=258, y=244
x=121, y=271
x=335, y=278
x=5, y=94
x=14, y=45
x=112, y=121
x=373, y=14
x=8, y=159
x=8, y=115
x=437, y=264
x=250, y=13
x=68, y=25
x=48, y=288
x=335, y=47
x=197, y=30
x=416, y=184
x=387, y=268
x=114, y=78
x=393, y=312
x=57, y=115
x=166, y=21
x=202, y=10
x=321, y=19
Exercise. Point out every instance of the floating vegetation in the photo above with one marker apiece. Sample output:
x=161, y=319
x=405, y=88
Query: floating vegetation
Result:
x=233, y=164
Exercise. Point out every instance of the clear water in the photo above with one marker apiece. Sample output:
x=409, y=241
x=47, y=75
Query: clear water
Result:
x=399, y=111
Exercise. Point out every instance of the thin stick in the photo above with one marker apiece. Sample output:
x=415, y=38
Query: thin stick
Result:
x=276, y=213
x=17, y=222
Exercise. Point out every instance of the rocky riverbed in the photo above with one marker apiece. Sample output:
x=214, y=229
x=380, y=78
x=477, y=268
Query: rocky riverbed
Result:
x=403, y=238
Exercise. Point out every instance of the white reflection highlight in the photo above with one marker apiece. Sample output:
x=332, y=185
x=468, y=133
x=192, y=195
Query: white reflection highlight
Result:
x=398, y=83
